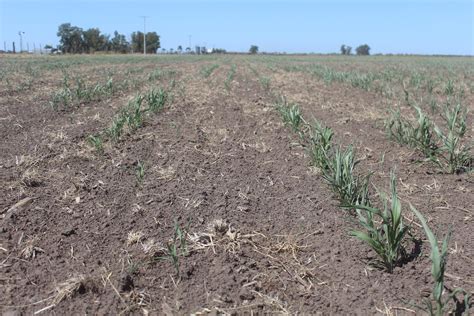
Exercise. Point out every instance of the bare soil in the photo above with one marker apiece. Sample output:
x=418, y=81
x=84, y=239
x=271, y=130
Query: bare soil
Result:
x=81, y=234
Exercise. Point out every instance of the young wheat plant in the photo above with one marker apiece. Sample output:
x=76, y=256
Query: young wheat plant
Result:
x=176, y=248
x=439, y=259
x=352, y=190
x=455, y=155
x=320, y=145
x=291, y=114
x=384, y=229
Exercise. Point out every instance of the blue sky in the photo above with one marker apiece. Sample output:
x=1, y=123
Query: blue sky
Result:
x=388, y=26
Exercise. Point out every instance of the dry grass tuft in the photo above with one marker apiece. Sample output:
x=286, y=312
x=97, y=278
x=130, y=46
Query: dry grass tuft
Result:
x=167, y=173
x=30, y=178
x=134, y=237
x=153, y=247
x=30, y=250
x=68, y=288
x=219, y=233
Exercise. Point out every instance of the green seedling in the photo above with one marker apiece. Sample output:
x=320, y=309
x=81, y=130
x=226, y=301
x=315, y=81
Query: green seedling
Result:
x=156, y=100
x=423, y=134
x=96, y=142
x=133, y=114
x=61, y=97
x=265, y=83
x=230, y=77
x=320, y=145
x=351, y=190
x=453, y=154
x=140, y=171
x=291, y=114
x=116, y=129
x=384, y=230
x=418, y=136
x=176, y=248
x=206, y=71
x=449, y=88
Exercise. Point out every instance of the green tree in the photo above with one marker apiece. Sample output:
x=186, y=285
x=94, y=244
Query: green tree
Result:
x=94, y=40
x=137, y=42
x=152, y=42
x=119, y=43
x=71, y=38
x=253, y=49
x=363, y=50
x=345, y=50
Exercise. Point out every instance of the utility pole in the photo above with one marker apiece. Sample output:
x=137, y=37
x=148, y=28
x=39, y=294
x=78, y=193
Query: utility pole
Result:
x=190, y=36
x=21, y=40
x=5, y=46
x=144, y=33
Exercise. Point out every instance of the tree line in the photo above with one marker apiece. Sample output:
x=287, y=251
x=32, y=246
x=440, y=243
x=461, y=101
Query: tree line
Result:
x=74, y=40
x=360, y=50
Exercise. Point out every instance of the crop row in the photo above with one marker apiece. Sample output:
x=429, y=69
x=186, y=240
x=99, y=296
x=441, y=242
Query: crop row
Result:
x=382, y=229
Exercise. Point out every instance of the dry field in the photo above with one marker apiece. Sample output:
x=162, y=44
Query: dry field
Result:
x=236, y=185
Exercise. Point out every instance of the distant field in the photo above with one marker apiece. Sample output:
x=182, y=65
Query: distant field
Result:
x=233, y=184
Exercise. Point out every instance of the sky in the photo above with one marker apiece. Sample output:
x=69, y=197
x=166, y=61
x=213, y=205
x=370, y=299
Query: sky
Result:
x=298, y=26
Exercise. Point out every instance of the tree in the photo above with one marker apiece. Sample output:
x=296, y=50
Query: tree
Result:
x=94, y=41
x=345, y=50
x=253, y=49
x=71, y=38
x=152, y=42
x=137, y=42
x=180, y=49
x=363, y=50
x=119, y=43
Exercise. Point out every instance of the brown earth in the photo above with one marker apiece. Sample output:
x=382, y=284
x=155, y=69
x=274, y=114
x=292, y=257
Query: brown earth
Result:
x=264, y=232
